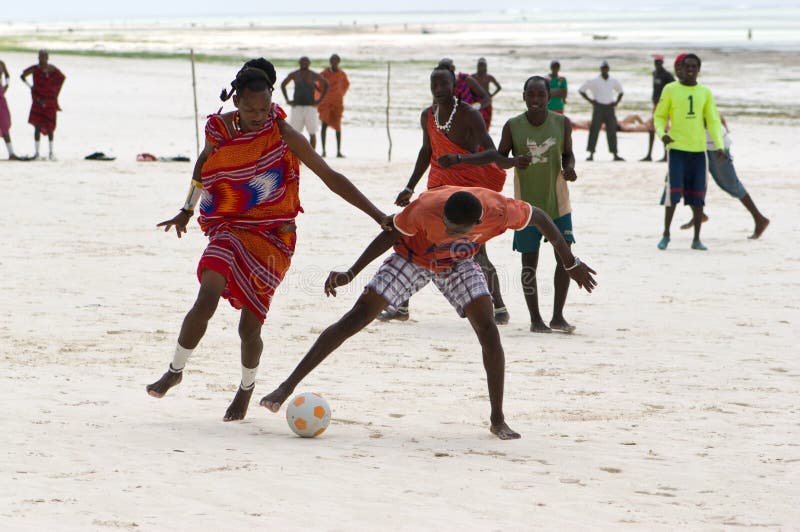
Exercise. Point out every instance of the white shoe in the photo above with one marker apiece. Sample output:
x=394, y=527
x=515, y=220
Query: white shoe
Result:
x=52, y=157
x=36, y=157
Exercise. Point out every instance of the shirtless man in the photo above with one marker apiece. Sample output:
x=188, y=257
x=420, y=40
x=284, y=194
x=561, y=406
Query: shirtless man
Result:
x=485, y=80
x=304, y=103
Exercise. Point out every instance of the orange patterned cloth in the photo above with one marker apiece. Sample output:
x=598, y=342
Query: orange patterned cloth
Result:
x=249, y=202
x=488, y=176
x=331, y=107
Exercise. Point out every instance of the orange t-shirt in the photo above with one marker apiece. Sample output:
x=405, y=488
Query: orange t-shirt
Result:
x=425, y=241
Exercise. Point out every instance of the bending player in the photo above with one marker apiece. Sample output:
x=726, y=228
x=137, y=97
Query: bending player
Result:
x=435, y=239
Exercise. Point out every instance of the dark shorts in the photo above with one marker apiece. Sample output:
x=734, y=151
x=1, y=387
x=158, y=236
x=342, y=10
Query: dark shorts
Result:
x=686, y=178
x=528, y=240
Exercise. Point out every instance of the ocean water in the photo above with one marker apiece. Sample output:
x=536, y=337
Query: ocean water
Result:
x=750, y=54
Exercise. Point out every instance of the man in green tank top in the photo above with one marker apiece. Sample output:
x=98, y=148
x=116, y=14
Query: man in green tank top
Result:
x=547, y=138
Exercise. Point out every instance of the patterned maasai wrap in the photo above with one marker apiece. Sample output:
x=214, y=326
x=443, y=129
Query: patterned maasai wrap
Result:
x=247, y=209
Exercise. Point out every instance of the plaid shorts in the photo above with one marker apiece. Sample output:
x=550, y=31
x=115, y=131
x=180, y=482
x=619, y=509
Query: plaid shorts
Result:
x=398, y=279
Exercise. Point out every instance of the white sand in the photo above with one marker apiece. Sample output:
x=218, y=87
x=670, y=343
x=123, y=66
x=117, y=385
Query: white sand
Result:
x=673, y=406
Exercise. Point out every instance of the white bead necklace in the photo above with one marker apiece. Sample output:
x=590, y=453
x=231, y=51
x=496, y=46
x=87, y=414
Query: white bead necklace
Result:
x=446, y=127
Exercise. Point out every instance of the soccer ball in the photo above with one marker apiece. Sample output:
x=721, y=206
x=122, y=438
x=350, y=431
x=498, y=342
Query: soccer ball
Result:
x=308, y=414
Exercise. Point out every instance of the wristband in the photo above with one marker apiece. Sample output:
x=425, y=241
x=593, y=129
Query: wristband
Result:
x=195, y=191
x=409, y=190
x=187, y=211
x=577, y=263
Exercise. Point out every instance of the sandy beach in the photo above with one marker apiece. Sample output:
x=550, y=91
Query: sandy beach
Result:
x=673, y=405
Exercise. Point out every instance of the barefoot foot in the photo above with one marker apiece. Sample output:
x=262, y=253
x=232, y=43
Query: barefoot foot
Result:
x=238, y=408
x=561, y=325
x=761, y=226
x=275, y=399
x=504, y=432
x=167, y=381
x=538, y=326
x=690, y=223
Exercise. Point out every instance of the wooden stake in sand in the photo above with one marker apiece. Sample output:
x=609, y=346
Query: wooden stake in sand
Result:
x=194, y=90
x=388, y=101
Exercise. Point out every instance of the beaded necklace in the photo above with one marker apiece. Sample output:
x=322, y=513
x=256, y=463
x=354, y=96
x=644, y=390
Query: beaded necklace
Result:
x=446, y=127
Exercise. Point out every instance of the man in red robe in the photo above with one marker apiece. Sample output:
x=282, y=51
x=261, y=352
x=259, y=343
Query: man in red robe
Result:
x=47, y=83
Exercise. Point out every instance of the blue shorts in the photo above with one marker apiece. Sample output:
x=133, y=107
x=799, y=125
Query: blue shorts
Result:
x=527, y=240
x=724, y=175
x=686, y=177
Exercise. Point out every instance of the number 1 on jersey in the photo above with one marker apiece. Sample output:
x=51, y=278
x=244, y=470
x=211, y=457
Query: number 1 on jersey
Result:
x=691, y=104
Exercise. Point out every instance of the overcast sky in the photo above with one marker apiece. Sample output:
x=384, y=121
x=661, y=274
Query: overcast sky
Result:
x=55, y=10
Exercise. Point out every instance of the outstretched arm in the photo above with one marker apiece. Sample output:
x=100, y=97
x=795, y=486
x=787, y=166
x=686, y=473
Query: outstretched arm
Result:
x=581, y=273
x=181, y=219
x=335, y=181
x=380, y=245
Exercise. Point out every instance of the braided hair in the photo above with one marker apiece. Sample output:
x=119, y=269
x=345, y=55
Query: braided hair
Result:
x=255, y=75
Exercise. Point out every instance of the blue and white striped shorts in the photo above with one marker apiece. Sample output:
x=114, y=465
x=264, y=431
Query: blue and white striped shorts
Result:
x=398, y=279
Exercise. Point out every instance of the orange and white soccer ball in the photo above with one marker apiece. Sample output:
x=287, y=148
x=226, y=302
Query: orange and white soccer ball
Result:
x=308, y=414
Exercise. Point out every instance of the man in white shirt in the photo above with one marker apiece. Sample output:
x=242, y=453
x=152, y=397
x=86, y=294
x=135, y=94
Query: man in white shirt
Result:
x=603, y=100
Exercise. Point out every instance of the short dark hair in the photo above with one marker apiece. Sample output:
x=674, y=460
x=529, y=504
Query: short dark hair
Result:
x=463, y=208
x=691, y=56
x=541, y=79
x=256, y=75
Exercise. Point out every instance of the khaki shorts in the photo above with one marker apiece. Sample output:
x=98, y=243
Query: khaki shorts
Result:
x=304, y=116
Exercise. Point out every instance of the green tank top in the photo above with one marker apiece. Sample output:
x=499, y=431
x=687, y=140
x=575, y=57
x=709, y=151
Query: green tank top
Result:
x=538, y=184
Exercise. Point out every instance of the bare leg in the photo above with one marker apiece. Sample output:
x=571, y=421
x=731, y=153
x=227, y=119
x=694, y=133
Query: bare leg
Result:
x=481, y=317
x=194, y=326
x=697, y=220
x=690, y=223
x=561, y=287
x=490, y=272
x=313, y=140
x=669, y=212
x=339, y=145
x=323, y=134
x=362, y=314
x=530, y=261
x=760, y=220
x=252, y=345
